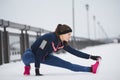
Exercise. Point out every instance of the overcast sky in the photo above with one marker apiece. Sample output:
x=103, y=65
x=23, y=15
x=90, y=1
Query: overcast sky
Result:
x=48, y=13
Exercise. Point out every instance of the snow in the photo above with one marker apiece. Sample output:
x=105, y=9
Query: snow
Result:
x=108, y=70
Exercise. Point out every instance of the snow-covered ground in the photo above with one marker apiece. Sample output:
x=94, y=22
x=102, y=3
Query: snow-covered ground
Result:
x=108, y=70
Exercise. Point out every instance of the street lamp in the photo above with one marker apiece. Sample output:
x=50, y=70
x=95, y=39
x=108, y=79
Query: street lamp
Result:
x=87, y=9
x=94, y=19
x=73, y=16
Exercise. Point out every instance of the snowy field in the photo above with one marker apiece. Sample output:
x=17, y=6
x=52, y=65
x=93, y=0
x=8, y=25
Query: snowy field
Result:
x=108, y=70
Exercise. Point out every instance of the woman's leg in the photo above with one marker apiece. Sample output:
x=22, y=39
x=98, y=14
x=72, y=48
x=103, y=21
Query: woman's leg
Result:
x=55, y=61
x=28, y=57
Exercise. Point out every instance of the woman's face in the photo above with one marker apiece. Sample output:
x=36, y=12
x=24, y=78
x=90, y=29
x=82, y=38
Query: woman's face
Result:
x=65, y=37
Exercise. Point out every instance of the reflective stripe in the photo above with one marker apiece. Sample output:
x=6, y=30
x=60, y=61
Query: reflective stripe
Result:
x=43, y=44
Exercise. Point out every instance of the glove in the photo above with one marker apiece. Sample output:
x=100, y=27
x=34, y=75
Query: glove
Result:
x=37, y=72
x=95, y=57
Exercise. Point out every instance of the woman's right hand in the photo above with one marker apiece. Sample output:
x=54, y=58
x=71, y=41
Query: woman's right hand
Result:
x=95, y=57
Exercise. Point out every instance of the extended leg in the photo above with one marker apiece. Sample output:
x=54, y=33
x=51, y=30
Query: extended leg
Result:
x=55, y=61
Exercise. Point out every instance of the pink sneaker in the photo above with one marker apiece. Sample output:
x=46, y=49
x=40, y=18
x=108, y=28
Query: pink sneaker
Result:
x=27, y=70
x=94, y=67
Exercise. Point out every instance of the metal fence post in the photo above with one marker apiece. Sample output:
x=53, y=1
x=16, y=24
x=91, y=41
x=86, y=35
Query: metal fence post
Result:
x=22, y=43
x=6, y=46
x=26, y=40
x=37, y=35
x=1, y=48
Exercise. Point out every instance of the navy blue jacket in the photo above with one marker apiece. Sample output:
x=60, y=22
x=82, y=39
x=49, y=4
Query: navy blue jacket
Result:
x=49, y=43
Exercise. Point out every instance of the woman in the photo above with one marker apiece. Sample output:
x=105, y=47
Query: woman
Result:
x=42, y=48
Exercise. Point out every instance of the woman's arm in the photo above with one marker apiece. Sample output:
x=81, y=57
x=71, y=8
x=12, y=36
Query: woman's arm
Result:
x=76, y=52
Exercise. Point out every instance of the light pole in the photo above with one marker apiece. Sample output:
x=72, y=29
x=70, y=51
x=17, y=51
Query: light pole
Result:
x=94, y=19
x=73, y=18
x=87, y=9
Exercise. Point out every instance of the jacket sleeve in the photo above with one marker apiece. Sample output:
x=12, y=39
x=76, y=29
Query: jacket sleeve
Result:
x=76, y=52
x=38, y=58
x=40, y=52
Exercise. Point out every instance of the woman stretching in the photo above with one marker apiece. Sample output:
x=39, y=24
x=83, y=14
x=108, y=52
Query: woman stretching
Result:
x=42, y=49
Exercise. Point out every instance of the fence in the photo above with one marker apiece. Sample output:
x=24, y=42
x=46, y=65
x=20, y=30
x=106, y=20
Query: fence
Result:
x=12, y=45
